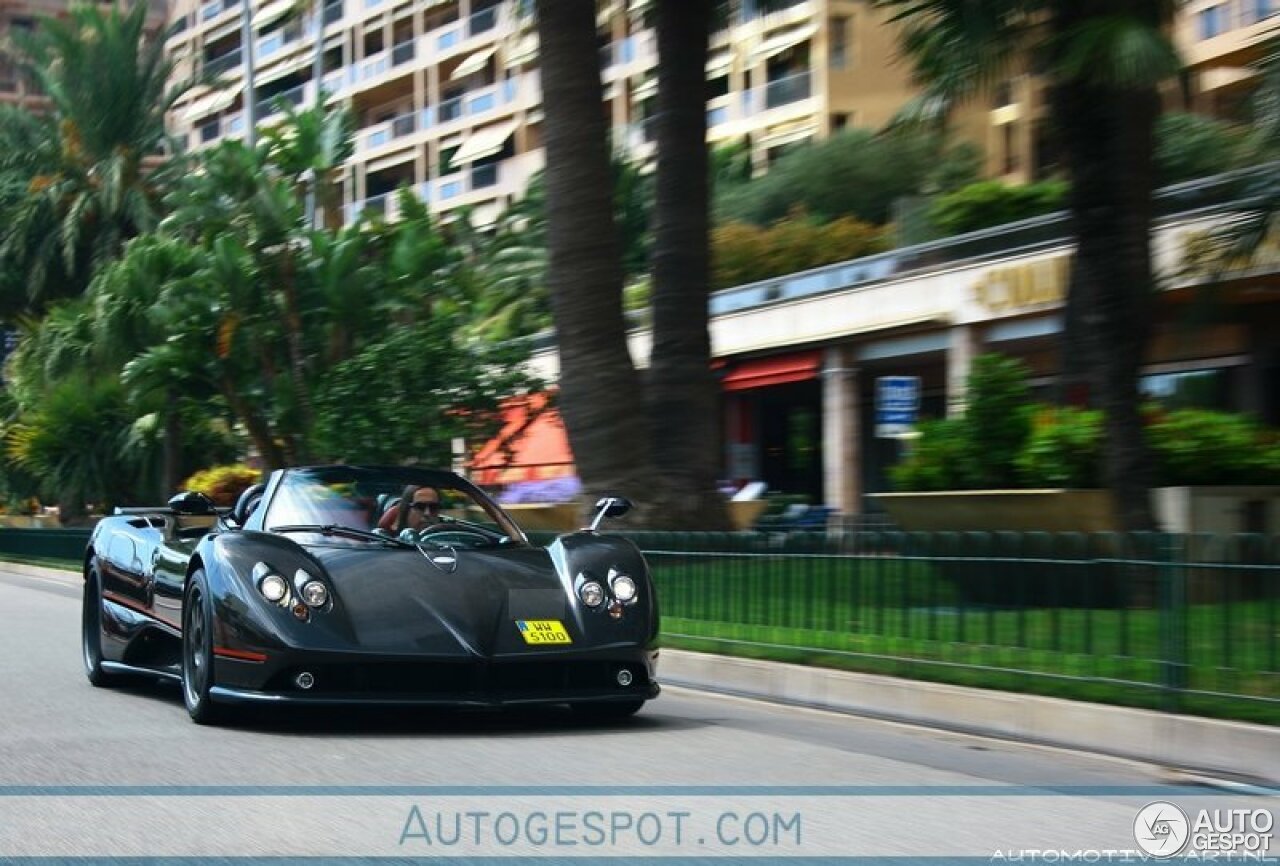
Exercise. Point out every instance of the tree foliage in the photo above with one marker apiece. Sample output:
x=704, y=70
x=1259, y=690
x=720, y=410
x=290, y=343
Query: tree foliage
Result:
x=856, y=173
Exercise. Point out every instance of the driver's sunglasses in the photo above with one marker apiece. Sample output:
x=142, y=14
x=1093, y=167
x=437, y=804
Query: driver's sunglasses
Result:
x=425, y=506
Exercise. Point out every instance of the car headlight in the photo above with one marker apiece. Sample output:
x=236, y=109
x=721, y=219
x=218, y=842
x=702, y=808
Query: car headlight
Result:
x=591, y=593
x=315, y=593
x=624, y=588
x=273, y=588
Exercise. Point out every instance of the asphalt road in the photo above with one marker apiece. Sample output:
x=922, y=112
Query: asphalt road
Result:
x=398, y=783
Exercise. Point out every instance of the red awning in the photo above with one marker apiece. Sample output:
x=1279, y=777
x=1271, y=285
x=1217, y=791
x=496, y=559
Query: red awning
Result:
x=776, y=370
x=532, y=445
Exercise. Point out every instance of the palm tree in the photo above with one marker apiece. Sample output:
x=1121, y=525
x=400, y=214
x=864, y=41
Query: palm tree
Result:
x=1104, y=60
x=598, y=384
x=682, y=391
x=108, y=81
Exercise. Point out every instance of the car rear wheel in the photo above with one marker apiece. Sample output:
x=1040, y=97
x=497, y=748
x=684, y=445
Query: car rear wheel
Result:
x=606, y=711
x=91, y=630
x=197, y=652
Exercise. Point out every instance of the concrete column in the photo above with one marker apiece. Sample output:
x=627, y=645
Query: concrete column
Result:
x=960, y=355
x=841, y=448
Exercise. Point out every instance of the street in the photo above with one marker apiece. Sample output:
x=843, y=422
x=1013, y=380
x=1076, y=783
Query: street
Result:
x=858, y=786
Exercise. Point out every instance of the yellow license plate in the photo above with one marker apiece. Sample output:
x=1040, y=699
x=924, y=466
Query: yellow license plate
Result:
x=540, y=631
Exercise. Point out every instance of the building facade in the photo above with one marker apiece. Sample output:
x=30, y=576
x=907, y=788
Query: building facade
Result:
x=447, y=100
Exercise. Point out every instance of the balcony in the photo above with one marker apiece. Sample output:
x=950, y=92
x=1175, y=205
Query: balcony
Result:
x=332, y=13
x=403, y=52
x=473, y=25
x=272, y=104
x=389, y=130
x=475, y=178
x=784, y=91
x=223, y=63
x=372, y=67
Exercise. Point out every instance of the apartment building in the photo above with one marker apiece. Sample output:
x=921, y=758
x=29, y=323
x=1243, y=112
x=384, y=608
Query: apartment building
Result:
x=1218, y=40
x=447, y=98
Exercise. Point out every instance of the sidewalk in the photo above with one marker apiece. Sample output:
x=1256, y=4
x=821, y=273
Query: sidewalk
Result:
x=1236, y=750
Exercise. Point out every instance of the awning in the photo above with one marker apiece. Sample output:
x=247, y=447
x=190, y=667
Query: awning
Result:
x=473, y=64
x=778, y=370
x=215, y=101
x=523, y=50
x=485, y=141
x=276, y=71
x=272, y=12
x=783, y=41
x=607, y=11
x=720, y=64
x=645, y=89
x=531, y=445
x=787, y=135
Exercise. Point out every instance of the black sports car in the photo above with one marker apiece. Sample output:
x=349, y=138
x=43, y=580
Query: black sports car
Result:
x=348, y=584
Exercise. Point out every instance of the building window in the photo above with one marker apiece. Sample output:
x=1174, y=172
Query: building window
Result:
x=1011, y=162
x=1259, y=10
x=1196, y=389
x=840, y=43
x=839, y=121
x=1213, y=21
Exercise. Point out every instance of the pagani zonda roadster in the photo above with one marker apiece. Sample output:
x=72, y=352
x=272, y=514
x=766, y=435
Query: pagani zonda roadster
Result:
x=346, y=584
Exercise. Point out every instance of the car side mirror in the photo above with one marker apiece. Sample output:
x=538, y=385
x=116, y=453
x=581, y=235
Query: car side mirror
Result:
x=609, y=506
x=192, y=502
x=244, y=506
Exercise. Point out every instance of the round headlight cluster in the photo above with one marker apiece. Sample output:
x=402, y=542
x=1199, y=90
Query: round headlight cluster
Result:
x=315, y=593
x=273, y=588
x=307, y=591
x=624, y=588
x=591, y=593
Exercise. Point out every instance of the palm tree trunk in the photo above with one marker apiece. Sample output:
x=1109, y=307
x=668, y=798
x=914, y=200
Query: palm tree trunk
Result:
x=599, y=387
x=682, y=392
x=1108, y=134
x=172, y=441
x=259, y=430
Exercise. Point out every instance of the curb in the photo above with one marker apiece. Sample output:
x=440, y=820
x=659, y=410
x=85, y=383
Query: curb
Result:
x=1239, y=750
x=64, y=574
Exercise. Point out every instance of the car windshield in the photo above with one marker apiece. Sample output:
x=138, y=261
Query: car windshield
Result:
x=349, y=504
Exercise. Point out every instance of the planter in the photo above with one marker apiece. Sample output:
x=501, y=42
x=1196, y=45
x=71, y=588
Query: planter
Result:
x=1219, y=510
x=990, y=510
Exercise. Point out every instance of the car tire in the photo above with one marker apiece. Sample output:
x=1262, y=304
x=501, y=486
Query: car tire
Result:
x=197, y=652
x=607, y=711
x=91, y=630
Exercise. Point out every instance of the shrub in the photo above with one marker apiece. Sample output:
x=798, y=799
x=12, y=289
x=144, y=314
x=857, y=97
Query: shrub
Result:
x=743, y=253
x=992, y=203
x=223, y=484
x=938, y=460
x=1063, y=450
x=997, y=419
x=1196, y=446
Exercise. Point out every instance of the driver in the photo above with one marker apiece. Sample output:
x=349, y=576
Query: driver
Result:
x=423, y=510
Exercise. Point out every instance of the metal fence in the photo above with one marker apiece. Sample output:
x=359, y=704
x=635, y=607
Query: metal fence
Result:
x=1186, y=623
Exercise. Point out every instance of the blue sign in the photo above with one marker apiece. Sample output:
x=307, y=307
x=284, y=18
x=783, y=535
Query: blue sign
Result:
x=897, y=403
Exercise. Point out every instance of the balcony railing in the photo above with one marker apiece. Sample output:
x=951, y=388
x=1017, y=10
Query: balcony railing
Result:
x=389, y=130
x=270, y=105
x=784, y=91
x=223, y=62
x=482, y=21
x=483, y=176
x=371, y=67
x=332, y=13
x=403, y=52
x=210, y=10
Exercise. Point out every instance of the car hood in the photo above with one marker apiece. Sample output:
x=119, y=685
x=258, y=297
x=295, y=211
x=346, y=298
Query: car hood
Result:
x=397, y=601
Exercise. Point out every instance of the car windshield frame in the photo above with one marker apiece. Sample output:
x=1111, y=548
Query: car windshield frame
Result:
x=282, y=509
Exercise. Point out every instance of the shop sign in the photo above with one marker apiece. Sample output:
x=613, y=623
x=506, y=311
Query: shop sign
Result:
x=1031, y=284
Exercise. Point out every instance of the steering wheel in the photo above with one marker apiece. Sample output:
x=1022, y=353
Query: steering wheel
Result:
x=455, y=529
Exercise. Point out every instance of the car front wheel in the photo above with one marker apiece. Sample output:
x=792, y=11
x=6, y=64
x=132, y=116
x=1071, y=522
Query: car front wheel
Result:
x=197, y=652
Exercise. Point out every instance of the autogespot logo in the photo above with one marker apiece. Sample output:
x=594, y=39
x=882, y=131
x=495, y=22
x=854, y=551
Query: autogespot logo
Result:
x=1161, y=829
